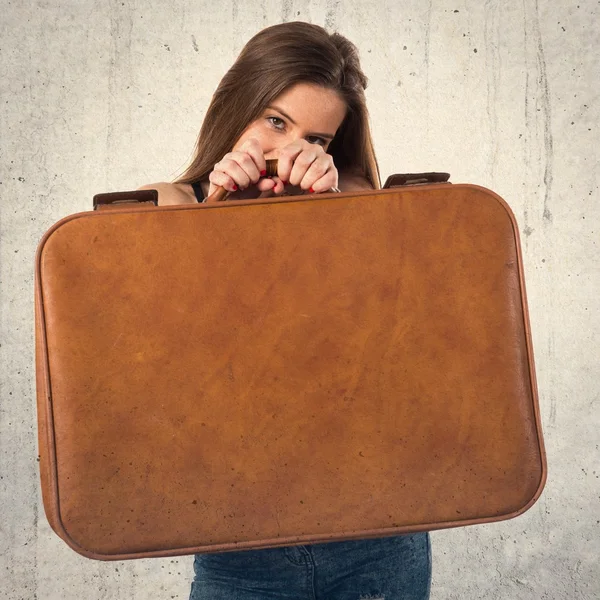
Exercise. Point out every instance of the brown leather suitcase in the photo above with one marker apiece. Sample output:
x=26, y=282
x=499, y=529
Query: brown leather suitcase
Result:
x=263, y=373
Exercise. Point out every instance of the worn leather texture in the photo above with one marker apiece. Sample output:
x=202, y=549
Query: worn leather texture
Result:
x=252, y=374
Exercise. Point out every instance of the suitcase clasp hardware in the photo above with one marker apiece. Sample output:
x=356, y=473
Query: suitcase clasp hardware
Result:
x=118, y=199
x=402, y=179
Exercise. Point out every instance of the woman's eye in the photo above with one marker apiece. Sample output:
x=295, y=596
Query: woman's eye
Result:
x=311, y=139
x=276, y=122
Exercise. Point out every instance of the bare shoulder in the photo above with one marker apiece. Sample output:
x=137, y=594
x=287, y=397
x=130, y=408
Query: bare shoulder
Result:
x=172, y=193
x=353, y=182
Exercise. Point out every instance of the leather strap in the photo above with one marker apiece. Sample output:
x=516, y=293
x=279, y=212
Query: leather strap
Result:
x=402, y=179
x=117, y=199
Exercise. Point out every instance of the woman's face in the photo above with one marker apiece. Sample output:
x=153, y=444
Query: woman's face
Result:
x=303, y=111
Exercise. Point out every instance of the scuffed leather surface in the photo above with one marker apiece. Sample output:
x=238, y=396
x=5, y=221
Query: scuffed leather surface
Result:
x=252, y=374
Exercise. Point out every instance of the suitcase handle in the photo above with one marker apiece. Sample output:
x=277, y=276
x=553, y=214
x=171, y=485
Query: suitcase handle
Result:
x=150, y=197
x=395, y=180
x=221, y=194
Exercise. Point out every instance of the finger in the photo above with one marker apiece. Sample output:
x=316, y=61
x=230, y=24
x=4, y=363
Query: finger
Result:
x=265, y=184
x=246, y=162
x=287, y=156
x=302, y=164
x=321, y=175
x=219, y=178
x=231, y=167
x=252, y=147
x=278, y=188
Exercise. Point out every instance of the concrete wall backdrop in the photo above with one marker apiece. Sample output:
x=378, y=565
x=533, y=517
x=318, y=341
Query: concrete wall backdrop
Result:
x=107, y=95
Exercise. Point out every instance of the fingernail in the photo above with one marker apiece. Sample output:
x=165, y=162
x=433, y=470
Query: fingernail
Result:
x=311, y=191
x=263, y=172
x=234, y=187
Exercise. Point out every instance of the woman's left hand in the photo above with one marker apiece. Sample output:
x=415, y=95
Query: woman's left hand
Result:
x=307, y=166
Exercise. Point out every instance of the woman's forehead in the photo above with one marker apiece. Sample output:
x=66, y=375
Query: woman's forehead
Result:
x=312, y=107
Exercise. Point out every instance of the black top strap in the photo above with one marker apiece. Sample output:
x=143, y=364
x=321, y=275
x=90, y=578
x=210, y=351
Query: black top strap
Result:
x=198, y=192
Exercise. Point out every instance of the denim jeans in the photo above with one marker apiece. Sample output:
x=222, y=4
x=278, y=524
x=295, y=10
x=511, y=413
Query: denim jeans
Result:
x=390, y=568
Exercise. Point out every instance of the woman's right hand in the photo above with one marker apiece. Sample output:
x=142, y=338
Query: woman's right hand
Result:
x=244, y=167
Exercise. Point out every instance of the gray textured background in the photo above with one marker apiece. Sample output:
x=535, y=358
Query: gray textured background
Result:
x=108, y=95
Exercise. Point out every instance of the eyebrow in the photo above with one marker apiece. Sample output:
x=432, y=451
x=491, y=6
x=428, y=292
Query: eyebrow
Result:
x=328, y=136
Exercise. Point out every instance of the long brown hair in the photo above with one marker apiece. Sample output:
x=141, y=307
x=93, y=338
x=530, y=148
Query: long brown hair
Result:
x=272, y=61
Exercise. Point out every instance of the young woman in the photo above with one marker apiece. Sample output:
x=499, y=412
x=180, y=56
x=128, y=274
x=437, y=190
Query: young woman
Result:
x=295, y=93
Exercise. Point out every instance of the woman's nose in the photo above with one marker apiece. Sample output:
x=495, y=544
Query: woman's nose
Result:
x=281, y=143
x=274, y=151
